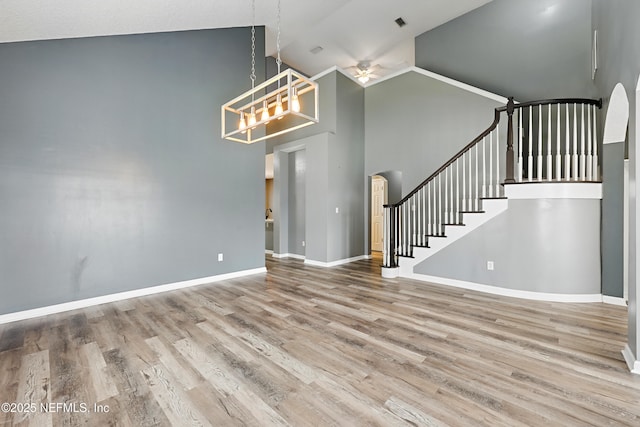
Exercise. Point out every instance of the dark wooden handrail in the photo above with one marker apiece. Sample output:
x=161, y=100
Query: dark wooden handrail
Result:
x=460, y=153
x=596, y=102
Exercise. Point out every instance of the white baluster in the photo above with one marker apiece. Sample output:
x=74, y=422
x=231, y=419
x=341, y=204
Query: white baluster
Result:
x=398, y=231
x=549, y=145
x=484, y=168
x=414, y=214
x=539, y=158
x=429, y=207
x=423, y=236
x=401, y=226
x=498, y=161
x=596, y=174
x=558, y=155
x=520, y=145
x=574, y=172
x=439, y=223
x=464, y=184
x=530, y=158
x=490, y=180
x=470, y=181
x=567, y=153
x=407, y=231
x=477, y=198
x=582, y=145
x=452, y=204
x=446, y=195
x=589, y=146
x=385, y=238
x=457, y=210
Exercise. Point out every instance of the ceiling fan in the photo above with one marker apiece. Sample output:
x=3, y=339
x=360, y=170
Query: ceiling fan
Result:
x=364, y=71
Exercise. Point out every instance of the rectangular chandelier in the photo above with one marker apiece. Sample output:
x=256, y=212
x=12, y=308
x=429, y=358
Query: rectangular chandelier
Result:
x=261, y=113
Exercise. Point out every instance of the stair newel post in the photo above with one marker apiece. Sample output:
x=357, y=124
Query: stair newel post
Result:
x=509, y=172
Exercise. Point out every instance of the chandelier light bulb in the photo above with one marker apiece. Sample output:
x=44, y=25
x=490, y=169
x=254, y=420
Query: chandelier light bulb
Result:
x=279, y=109
x=265, y=111
x=252, y=117
x=243, y=124
x=295, y=102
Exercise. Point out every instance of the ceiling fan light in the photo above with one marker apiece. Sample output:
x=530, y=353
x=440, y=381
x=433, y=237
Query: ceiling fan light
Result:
x=363, y=78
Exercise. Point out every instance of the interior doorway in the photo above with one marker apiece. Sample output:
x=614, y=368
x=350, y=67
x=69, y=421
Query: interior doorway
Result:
x=379, y=198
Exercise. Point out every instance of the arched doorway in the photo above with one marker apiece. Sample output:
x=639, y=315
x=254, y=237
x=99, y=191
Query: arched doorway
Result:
x=388, y=185
x=379, y=198
x=613, y=206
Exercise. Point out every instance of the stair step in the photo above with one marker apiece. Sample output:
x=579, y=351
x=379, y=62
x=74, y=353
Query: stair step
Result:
x=493, y=198
x=453, y=224
x=470, y=212
x=422, y=246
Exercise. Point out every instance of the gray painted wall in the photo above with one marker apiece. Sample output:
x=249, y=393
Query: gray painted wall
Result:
x=346, y=173
x=612, y=219
x=619, y=62
x=316, y=189
x=297, y=200
x=414, y=124
x=113, y=175
x=546, y=245
x=335, y=171
x=528, y=49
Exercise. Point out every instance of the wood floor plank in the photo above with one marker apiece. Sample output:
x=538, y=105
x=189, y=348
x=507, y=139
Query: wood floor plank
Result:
x=34, y=390
x=172, y=398
x=99, y=377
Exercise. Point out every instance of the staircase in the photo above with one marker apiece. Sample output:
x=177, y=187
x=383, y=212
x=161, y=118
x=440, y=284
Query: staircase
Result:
x=551, y=141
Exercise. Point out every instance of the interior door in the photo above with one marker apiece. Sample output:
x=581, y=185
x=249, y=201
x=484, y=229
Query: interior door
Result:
x=378, y=200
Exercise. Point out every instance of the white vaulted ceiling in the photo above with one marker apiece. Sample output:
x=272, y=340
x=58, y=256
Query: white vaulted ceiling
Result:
x=349, y=31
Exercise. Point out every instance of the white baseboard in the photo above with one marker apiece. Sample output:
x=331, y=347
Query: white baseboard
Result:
x=74, y=305
x=268, y=251
x=294, y=256
x=495, y=290
x=335, y=263
x=614, y=301
x=632, y=363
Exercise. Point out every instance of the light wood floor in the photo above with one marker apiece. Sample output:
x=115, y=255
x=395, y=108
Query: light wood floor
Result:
x=310, y=346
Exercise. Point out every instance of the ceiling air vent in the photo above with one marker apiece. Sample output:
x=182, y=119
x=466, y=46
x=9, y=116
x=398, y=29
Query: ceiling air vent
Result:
x=316, y=50
x=401, y=22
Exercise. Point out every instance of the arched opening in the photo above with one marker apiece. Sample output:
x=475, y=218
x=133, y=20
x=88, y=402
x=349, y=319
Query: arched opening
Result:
x=614, y=229
x=615, y=125
x=390, y=184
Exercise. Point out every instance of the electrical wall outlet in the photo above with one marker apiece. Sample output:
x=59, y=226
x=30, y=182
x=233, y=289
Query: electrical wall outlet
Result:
x=337, y=209
x=303, y=244
x=220, y=257
x=490, y=265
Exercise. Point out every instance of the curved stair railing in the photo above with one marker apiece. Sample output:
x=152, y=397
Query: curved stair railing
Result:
x=555, y=140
